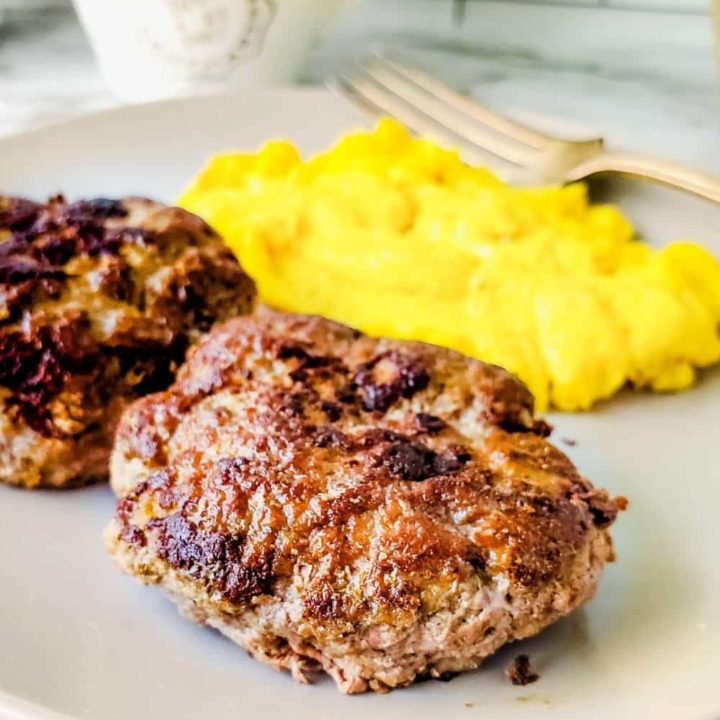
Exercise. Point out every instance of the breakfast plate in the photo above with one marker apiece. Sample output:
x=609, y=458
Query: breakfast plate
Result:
x=79, y=640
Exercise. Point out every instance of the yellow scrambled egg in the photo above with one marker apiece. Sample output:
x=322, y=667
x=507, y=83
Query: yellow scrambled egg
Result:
x=396, y=236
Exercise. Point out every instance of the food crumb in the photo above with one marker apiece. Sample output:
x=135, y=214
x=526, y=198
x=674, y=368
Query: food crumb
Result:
x=536, y=699
x=520, y=672
x=569, y=441
x=469, y=705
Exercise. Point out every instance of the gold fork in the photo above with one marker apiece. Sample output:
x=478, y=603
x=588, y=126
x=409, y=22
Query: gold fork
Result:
x=385, y=86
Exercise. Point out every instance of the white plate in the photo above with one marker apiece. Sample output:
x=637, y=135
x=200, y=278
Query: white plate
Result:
x=79, y=639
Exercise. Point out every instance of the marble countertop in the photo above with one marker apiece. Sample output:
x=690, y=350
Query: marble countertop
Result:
x=645, y=80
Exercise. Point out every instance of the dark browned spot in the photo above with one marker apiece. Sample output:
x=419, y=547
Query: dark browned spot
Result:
x=293, y=404
x=23, y=282
x=410, y=461
x=414, y=461
x=477, y=560
x=217, y=559
x=603, y=509
x=332, y=410
x=431, y=424
x=542, y=428
x=18, y=214
x=200, y=288
x=99, y=208
x=114, y=279
x=133, y=536
x=34, y=366
x=306, y=362
x=389, y=377
x=205, y=288
x=345, y=395
x=331, y=437
x=285, y=351
x=518, y=425
x=15, y=270
x=325, y=603
x=510, y=402
x=375, y=436
x=55, y=233
x=447, y=676
x=147, y=364
x=452, y=460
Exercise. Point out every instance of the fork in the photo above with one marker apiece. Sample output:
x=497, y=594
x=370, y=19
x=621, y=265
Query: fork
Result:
x=385, y=86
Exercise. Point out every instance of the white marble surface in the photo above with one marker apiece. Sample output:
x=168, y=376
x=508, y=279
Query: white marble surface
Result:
x=646, y=80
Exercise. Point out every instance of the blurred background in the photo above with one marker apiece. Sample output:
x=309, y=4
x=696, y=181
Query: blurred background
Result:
x=642, y=71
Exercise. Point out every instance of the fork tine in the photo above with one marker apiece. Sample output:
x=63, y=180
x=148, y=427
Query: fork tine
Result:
x=371, y=97
x=448, y=117
x=471, y=108
x=347, y=88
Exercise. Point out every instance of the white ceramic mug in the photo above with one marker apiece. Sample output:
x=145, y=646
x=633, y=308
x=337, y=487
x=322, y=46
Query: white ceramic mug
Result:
x=150, y=49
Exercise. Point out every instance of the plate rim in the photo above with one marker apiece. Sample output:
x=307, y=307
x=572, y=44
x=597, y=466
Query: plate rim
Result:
x=131, y=107
x=13, y=707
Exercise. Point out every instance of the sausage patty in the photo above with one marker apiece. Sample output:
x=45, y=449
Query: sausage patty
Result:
x=384, y=511
x=99, y=300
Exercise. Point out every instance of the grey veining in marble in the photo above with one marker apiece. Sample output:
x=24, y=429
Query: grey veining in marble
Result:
x=47, y=70
x=648, y=81
x=645, y=79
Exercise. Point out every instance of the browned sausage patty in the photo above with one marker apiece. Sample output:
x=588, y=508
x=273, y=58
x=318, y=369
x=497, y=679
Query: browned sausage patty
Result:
x=386, y=511
x=99, y=300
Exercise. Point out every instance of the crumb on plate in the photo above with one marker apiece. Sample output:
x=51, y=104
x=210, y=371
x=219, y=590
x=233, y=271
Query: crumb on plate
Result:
x=520, y=671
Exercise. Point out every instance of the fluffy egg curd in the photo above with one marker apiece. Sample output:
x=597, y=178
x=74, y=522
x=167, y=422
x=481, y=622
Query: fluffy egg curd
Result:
x=398, y=237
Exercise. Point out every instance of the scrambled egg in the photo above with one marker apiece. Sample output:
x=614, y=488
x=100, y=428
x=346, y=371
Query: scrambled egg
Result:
x=398, y=237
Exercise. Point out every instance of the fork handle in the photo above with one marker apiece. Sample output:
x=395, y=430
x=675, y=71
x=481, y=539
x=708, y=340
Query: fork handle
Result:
x=666, y=172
